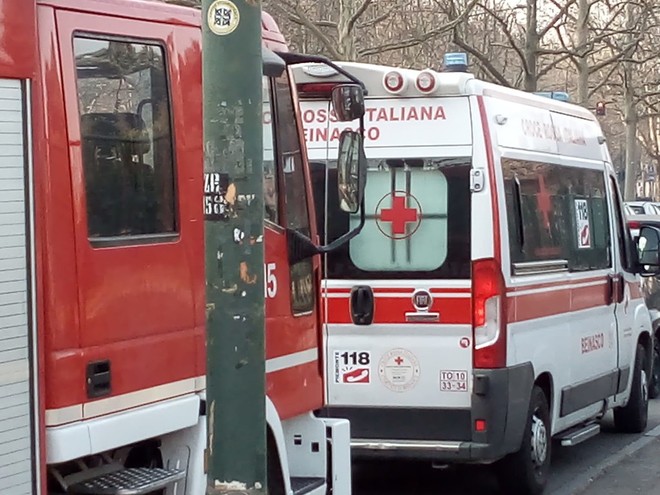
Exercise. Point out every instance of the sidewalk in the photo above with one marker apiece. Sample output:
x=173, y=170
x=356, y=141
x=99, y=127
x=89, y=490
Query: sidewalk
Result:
x=636, y=473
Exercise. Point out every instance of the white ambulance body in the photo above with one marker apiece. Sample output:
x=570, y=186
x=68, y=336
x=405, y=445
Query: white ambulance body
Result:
x=492, y=298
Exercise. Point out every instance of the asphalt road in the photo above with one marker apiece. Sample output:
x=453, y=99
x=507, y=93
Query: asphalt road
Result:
x=573, y=468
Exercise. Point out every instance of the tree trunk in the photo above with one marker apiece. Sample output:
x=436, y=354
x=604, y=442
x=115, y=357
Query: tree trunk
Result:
x=347, y=48
x=531, y=47
x=631, y=117
x=630, y=120
x=582, y=33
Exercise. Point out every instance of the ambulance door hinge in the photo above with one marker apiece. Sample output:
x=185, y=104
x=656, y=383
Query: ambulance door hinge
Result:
x=477, y=180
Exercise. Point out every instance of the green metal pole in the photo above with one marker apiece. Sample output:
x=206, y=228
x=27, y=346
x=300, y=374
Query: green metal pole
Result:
x=233, y=202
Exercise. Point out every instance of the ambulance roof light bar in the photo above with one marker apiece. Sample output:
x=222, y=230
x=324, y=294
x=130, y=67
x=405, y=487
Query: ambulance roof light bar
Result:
x=394, y=82
x=427, y=81
x=455, y=62
x=555, y=95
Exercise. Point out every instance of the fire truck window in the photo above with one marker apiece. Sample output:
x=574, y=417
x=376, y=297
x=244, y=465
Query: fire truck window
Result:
x=126, y=138
x=557, y=213
x=295, y=192
x=270, y=174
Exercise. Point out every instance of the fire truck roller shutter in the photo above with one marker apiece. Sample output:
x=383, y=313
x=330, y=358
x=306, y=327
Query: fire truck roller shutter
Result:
x=17, y=440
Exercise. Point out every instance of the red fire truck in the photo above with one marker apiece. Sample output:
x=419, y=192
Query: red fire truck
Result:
x=102, y=295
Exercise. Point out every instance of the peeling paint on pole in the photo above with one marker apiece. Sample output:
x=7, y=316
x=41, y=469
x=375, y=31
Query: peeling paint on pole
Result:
x=233, y=213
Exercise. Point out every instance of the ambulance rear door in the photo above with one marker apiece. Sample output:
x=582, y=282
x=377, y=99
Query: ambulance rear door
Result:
x=397, y=297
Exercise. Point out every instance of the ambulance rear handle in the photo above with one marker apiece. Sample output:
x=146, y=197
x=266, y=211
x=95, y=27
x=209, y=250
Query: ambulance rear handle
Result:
x=362, y=305
x=615, y=289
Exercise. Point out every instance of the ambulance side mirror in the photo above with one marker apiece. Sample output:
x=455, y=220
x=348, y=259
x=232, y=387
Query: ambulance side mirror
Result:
x=351, y=171
x=348, y=102
x=351, y=181
x=648, y=249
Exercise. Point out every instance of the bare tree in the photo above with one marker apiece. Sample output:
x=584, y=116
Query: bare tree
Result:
x=522, y=31
x=365, y=29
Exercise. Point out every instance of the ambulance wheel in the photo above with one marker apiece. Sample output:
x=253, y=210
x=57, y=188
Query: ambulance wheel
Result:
x=654, y=386
x=632, y=417
x=526, y=472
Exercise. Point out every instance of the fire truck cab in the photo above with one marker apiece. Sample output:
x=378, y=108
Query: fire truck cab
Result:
x=492, y=301
x=102, y=280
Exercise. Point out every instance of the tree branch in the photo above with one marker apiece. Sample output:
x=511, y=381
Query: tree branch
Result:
x=299, y=17
x=358, y=13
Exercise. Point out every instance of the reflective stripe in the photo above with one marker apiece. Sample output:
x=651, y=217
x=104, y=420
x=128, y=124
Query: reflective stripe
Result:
x=292, y=360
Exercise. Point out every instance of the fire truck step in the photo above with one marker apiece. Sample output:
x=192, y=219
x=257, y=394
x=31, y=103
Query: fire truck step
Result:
x=301, y=486
x=579, y=434
x=133, y=481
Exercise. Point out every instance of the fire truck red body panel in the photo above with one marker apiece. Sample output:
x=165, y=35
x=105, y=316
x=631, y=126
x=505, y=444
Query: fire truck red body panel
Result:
x=17, y=55
x=141, y=307
x=271, y=35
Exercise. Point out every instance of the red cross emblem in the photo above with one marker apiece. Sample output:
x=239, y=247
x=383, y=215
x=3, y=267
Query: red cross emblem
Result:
x=403, y=215
x=398, y=360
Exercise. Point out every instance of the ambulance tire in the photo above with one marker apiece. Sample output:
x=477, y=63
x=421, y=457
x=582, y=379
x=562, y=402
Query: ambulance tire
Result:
x=654, y=386
x=526, y=472
x=633, y=417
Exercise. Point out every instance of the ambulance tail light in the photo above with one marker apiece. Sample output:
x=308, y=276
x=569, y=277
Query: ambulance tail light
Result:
x=634, y=225
x=426, y=82
x=316, y=89
x=488, y=314
x=394, y=82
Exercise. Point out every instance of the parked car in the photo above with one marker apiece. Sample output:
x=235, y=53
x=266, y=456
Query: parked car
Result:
x=635, y=221
x=643, y=207
x=651, y=291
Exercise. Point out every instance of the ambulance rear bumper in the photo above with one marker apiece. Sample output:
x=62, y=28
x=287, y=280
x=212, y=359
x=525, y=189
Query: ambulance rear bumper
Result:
x=426, y=450
x=499, y=405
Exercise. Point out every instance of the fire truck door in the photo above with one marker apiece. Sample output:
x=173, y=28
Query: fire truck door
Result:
x=17, y=437
x=292, y=338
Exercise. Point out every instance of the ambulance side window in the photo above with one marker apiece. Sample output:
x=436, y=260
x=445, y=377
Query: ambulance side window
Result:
x=557, y=212
x=295, y=192
x=126, y=140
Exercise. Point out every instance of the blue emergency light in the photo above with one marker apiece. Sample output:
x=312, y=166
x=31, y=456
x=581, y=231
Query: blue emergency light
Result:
x=455, y=62
x=554, y=95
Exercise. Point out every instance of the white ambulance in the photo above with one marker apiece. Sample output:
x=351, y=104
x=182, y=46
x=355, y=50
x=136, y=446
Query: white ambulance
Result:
x=492, y=300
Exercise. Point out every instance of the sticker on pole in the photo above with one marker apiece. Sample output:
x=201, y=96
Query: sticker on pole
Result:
x=216, y=188
x=352, y=367
x=223, y=17
x=399, y=370
x=583, y=230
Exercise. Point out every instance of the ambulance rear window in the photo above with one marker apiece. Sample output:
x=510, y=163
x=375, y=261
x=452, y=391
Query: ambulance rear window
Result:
x=417, y=220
